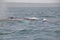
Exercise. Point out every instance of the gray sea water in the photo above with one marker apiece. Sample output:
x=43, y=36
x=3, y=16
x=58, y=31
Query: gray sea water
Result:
x=32, y=30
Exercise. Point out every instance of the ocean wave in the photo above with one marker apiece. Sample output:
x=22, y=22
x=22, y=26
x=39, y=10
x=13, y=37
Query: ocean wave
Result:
x=4, y=33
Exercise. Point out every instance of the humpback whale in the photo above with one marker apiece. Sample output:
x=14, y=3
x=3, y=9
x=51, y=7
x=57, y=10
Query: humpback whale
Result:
x=20, y=19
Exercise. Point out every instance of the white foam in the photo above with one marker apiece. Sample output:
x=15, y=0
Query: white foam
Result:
x=33, y=18
x=44, y=19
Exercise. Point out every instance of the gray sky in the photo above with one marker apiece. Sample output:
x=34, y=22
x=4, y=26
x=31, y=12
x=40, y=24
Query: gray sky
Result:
x=34, y=1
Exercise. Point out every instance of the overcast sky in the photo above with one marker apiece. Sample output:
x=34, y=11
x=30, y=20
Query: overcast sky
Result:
x=33, y=1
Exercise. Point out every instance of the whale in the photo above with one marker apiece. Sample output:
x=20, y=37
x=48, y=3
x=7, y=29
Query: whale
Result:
x=21, y=19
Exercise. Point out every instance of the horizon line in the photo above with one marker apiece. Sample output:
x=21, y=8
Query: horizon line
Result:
x=27, y=2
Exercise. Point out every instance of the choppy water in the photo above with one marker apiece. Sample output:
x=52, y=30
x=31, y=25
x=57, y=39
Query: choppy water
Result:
x=32, y=30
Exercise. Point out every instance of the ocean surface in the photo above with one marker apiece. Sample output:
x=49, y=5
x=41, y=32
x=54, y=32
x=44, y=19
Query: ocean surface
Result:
x=31, y=30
